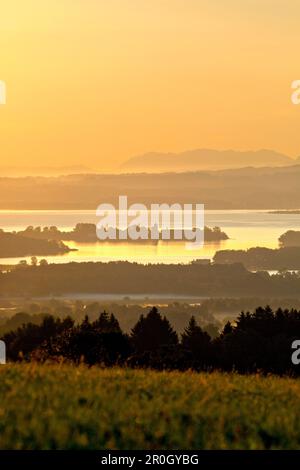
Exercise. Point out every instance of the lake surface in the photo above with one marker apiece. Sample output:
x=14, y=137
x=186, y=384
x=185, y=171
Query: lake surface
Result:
x=245, y=228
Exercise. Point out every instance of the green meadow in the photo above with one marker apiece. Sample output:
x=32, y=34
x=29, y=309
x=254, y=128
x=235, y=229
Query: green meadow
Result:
x=67, y=407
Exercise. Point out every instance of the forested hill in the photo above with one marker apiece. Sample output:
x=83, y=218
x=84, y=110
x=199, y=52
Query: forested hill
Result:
x=247, y=188
x=131, y=278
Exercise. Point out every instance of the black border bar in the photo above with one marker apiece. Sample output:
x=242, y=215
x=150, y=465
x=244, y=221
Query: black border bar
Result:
x=90, y=459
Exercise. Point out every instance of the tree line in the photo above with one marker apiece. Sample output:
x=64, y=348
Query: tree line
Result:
x=260, y=258
x=247, y=188
x=125, y=278
x=256, y=342
x=13, y=245
x=86, y=232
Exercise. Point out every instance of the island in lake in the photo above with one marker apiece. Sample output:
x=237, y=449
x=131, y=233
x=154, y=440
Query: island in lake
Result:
x=15, y=245
x=86, y=233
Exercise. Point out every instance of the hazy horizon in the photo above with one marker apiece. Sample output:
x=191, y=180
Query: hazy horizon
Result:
x=193, y=161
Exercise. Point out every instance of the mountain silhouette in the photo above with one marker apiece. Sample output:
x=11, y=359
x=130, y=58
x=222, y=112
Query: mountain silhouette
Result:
x=205, y=159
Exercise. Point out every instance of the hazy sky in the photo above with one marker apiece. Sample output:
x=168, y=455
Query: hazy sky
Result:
x=94, y=82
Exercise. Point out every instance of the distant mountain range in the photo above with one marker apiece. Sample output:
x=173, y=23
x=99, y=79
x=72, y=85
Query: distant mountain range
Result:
x=206, y=159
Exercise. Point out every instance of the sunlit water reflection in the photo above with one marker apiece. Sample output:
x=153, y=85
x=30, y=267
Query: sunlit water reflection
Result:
x=245, y=229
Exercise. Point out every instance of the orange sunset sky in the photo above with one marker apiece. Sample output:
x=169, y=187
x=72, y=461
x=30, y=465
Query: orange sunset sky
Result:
x=94, y=82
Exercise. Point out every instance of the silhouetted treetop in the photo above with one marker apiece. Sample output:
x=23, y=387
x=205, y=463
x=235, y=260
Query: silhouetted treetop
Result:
x=152, y=332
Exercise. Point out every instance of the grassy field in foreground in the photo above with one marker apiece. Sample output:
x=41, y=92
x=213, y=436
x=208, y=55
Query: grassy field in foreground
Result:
x=50, y=407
